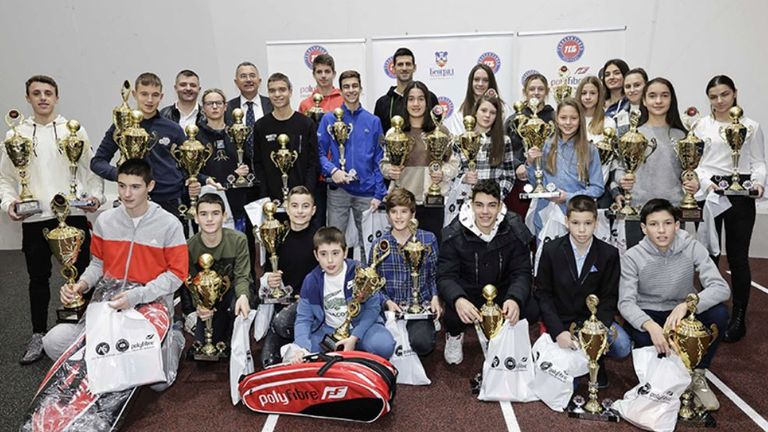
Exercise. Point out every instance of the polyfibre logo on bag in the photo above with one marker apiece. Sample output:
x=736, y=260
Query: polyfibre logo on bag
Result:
x=646, y=390
x=511, y=364
x=102, y=348
x=284, y=397
x=400, y=352
x=548, y=368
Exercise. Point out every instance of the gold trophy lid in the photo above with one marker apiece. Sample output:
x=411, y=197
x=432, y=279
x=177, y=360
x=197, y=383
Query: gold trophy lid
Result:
x=269, y=209
x=489, y=293
x=237, y=115
x=205, y=261
x=339, y=113
x=191, y=130
x=13, y=119
x=316, y=99
x=519, y=106
x=469, y=123
x=533, y=105
x=73, y=126
x=283, y=140
x=136, y=118
x=60, y=208
x=735, y=114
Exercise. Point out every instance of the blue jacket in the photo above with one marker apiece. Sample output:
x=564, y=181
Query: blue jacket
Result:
x=363, y=151
x=310, y=315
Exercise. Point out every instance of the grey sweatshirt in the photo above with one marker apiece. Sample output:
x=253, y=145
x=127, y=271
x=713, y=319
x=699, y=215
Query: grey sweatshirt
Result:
x=657, y=281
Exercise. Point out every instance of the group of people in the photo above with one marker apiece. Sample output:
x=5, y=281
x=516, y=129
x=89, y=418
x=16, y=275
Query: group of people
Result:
x=479, y=238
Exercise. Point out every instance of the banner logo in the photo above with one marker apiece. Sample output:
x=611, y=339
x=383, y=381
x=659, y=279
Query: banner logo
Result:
x=441, y=59
x=582, y=70
x=334, y=392
x=570, y=48
x=311, y=53
x=526, y=74
x=491, y=60
x=389, y=67
x=447, y=105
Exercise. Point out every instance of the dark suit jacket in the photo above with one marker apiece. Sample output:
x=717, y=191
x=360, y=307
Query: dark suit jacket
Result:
x=561, y=292
x=266, y=106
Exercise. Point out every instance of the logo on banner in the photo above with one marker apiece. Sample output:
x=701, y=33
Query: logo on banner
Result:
x=582, y=70
x=441, y=59
x=526, y=74
x=389, y=67
x=491, y=60
x=570, y=48
x=311, y=53
x=447, y=105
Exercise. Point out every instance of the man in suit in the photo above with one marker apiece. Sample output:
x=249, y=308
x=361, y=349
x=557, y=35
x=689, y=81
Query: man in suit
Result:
x=254, y=106
x=592, y=268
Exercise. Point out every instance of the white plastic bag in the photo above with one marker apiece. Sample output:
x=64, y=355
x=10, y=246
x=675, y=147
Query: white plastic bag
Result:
x=409, y=367
x=555, y=369
x=653, y=403
x=555, y=226
x=240, y=358
x=508, y=367
x=122, y=349
x=375, y=224
x=264, y=315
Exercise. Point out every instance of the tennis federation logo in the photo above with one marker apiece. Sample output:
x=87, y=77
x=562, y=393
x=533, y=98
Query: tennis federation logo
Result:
x=570, y=48
x=490, y=59
x=389, y=67
x=311, y=53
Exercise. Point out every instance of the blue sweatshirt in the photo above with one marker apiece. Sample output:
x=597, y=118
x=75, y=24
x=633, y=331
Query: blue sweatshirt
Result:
x=363, y=152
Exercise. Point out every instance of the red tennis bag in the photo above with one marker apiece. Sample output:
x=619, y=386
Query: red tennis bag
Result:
x=345, y=385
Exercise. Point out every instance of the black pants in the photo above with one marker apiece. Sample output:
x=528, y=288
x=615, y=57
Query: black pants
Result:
x=223, y=320
x=321, y=201
x=280, y=333
x=421, y=336
x=739, y=222
x=37, y=254
x=431, y=219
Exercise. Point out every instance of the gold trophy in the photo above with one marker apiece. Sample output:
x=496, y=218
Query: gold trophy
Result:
x=366, y=283
x=271, y=234
x=606, y=147
x=208, y=288
x=398, y=146
x=438, y=143
x=689, y=150
x=238, y=132
x=315, y=112
x=284, y=160
x=633, y=150
x=691, y=340
x=492, y=319
x=735, y=135
x=563, y=90
x=534, y=133
x=72, y=147
x=191, y=156
x=65, y=242
x=414, y=253
x=520, y=118
x=469, y=142
x=593, y=339
x=340, y=132
x=134, y=141
x=121, y=114
x=20, y=150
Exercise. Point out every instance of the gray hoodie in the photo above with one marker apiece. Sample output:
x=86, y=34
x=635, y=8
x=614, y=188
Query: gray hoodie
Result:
x=652, y=280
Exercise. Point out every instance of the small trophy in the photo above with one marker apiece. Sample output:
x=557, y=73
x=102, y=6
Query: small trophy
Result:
x=398, y=146
x=492, y=319
x=593, y=339
x=238, y=132
x=736, y=134
x=606, y=147
x=134, y=141
x=340, y=132
x=271, y=234
x=65, y=242
x=315, y=112
x=534, y=132
x=689, y=150
x=691, y=340
x=633, y=150
x=20, y=150
x=563, y=90
x=208, y=288
x=469, y=142
x=438, y=143
x=366, y=283
x=414, y=253
x=191, y=156
x=121, y=114
x=284, y=160
x=72, y=147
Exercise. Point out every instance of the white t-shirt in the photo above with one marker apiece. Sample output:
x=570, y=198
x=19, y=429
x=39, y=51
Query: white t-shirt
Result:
x=334, y=302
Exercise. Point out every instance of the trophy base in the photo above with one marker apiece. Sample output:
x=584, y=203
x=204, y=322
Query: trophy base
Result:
x=731, y=192
x=609, y=415
x=545, y=195
x=705, y=419
x=27, y=208
x=80, y=203
x=199, y=356
x=691, y=215
x=328, y=344
x=434, y=201
x=279, y=300
x=70, y=315
x=240, y=185
x=417, y=316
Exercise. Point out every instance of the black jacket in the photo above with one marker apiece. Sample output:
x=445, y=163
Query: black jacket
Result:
x=561, y=293
x=266, y=106
x=547, y=114
x=172, y=113
x=466, y=263
x=392, y=104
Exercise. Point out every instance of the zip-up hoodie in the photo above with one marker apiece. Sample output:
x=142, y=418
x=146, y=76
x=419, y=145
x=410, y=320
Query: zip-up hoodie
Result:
x=653, y=280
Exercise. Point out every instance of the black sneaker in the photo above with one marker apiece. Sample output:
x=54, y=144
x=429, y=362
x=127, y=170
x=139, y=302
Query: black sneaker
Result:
x=475, y=383
x=34, y=350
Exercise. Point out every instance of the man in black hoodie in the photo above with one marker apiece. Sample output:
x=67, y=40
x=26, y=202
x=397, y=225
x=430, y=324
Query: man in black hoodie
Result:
x=484, y=245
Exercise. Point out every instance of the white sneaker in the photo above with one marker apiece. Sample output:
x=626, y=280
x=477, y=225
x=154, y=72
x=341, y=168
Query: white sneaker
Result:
x=454, y=350
x=190, y=322
x=701, y=391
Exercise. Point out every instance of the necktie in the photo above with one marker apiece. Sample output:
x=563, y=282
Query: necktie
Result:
x=250, y=119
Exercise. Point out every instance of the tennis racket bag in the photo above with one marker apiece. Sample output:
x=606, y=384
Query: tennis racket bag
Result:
x=347, y=385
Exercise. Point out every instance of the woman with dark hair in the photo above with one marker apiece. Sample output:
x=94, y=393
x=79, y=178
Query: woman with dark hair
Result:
x=614, y=72
x=715, y=167
x=480, y=80
x=591, y=96
x=634, y=83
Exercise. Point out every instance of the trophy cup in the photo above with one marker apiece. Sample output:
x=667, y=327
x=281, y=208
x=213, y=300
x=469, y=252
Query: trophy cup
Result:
x=207, y=289
x=20, y=150
x=284, y=160
x=492, y=319
x=271, y=234
x=398, y=146
x=563, y=90
x=340, y=132
x=593, y=339
x=121, y=114
x=438, y=143
x=736, y=134
x=72, y=147
x=520, y=118
x=191, y=156
x=414, y=253
x=633, y=150
x=65, y=242
x=606, y=147
x=689, y=150
x=134, y=141
x=690, y=340
x=315, y=112
x=238, y=132
x=534, y=132
x=366, y=283
x=469, y=142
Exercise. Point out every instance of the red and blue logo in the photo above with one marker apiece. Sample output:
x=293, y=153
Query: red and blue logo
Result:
x=389, y=67
x=526, y=74
x=447, y=105
x=570, y=48
x=311, y=53
x=490, y=59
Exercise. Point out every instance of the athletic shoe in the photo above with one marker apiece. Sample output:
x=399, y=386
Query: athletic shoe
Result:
x=190, y=323
x=701, y=391
x=34, y=350
x=454, y=353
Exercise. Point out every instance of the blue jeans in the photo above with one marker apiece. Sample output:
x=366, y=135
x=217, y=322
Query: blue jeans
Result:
x=621, y=345
x=377, y=340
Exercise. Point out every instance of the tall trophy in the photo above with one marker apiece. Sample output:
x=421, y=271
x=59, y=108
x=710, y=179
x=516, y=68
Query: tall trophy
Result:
x=20, y=150
x=271, y=234
x=207, y=289
x=735, y=135
x=469, y=142
x=633, y=150
x=121, y=114
x=134, y=142
x=397, y=145
x=191, y=156
x=689, y=151
x=72, y=147
x=606, y=147
x=414, y=253
x=563, y=90
x=492, y=320
x=65, y=242
x=691, y=340
x=534, y=133
x=366, y=283
x=340, y=132
x=438, y=143
x=316, y=111
x=238, y=132
x=593, y=339
x=520, y=118
x=284, y=160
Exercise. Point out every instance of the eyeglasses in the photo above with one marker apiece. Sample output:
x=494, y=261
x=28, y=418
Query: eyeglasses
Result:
x=214, y=103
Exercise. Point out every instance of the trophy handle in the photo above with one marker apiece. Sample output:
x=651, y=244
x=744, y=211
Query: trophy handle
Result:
x=208, y=152
x=652, y=144
x=573, y=329
x=715, y=333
